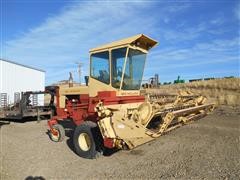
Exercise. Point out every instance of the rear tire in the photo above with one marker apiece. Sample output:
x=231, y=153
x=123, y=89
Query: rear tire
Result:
x=85, y=140
x=60, y=133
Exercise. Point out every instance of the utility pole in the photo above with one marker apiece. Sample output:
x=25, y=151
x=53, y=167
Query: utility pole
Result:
x=79, y=70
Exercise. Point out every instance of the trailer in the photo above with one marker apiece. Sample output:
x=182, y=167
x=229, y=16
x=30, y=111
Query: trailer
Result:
x=27, y=106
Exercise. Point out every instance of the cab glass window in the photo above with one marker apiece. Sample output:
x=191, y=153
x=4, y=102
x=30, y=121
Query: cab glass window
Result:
x=100, y=67
x=118, y=57
x=134, y=70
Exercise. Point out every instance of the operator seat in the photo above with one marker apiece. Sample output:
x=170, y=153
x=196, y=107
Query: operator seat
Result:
x=104, y=76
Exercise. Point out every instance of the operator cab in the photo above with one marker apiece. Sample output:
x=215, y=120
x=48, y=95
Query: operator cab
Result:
x=119, y=66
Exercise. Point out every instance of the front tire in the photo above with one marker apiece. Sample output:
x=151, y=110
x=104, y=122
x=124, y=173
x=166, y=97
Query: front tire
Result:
x=57, y=133
x=85, y=140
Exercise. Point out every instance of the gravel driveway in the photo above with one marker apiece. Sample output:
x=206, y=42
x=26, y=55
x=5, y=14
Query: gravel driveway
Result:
x=206, y=149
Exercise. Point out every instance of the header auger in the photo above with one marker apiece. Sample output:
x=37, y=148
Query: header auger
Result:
x=110, y=112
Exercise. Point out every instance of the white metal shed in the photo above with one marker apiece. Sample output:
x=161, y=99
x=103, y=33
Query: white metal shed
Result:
x=16, y=78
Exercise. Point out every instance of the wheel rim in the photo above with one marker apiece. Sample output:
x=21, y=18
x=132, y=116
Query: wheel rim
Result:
x=55, y=137
x=84, y=141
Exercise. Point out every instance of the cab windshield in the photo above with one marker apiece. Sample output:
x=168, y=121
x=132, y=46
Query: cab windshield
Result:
x=118, y=58
x=134, y=70
x=131, y=74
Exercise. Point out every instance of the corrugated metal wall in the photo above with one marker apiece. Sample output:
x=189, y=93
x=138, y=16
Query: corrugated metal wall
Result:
x=16, y=78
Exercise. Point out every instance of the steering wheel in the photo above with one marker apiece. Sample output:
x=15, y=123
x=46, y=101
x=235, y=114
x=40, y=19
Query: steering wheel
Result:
x=119, y=71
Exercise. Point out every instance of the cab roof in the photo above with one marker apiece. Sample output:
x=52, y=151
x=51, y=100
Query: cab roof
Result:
x=139, y=40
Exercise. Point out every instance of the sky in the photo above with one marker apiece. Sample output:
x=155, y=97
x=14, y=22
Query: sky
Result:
x=197, y=39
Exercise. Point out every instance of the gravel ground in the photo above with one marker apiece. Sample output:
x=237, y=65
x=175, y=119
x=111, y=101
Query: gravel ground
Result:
x=206, y=149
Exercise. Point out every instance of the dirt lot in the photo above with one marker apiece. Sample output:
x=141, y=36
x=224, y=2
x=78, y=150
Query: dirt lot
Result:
x=206, y=149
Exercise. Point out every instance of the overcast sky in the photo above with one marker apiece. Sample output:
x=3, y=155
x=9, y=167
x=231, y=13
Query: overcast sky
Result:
x=197, y=39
